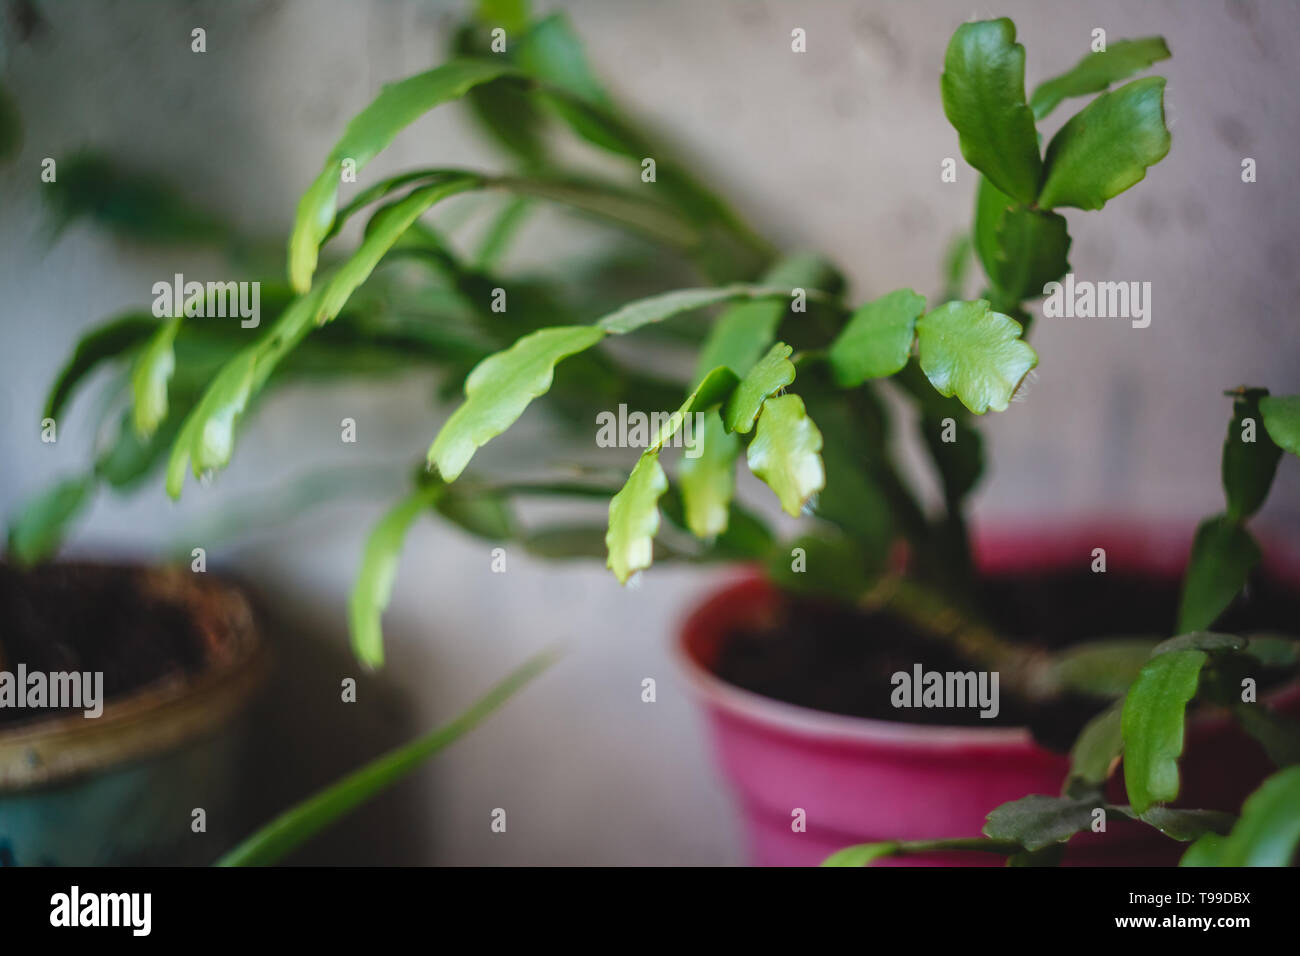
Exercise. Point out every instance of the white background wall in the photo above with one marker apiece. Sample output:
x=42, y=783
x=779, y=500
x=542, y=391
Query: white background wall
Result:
x=837, y=149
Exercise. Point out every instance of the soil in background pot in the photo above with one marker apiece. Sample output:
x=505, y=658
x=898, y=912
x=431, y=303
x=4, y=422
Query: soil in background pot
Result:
x=136, y=626
x=832, y=657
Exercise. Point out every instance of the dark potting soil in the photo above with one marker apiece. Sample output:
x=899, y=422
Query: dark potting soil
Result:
x=836, y=658
x=97, y=618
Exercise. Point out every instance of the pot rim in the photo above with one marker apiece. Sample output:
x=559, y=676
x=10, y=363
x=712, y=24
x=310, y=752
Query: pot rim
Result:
x=158, y=716
x=810, y=723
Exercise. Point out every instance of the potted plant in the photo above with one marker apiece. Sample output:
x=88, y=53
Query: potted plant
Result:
x=799, y=667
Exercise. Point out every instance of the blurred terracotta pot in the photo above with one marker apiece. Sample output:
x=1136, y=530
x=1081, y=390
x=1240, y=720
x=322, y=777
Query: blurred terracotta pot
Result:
x=860, y=780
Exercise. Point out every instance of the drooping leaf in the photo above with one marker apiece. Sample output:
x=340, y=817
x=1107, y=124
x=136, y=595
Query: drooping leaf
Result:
x=1248, y=466
x=299, y=823
x=974, y=353
x=500, y=388
x=1106, y=147
x=1097, y=71
x=1096, y=752
x=374, y=584
x=1152, y=725
x=150, y=377
x=1223, y=554
x=39, y=526
x=877, y=341
x=784, y=452
x=102, y=343
x=1038, y=821
x=863, y=854
x=983, y=87
x=772, y=373
x=1267, y=833
x=368, y=134
x=1282, y=419
x=385, y=229
x=657, y=308
x=634, y=518
x=708, y=480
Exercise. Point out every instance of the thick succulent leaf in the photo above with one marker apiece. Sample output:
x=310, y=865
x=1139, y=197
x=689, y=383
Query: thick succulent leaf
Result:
x=1032, y=250
x=500, y=388
x=1152, y=725
x=1106, y=147
x=877, y=341
x=657, y=308
x=374, y=584
x=1223, y=555
x=38, y=528
x=387, y=226
x=708, y=481
x=974, y=353
x=743, y=332
x=150, y=377
x=1207, y=641
x=634, y=517
x=105, y=342
x=862, y=854
x=1248, y=466
x=1038, y=821
x=1267, y=833
x=1102, y=668
x=1282, y=419
x=1187, y=825
x=785, y=452
x=302, y=821
x=770, y=375
x=1096, y=752
x=990, y=205
x=369, y=133
x=983, y=88
x=1097, y=71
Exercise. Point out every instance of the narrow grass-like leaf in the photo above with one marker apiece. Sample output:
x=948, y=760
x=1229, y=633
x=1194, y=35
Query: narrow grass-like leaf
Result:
x=1223, y=555
x=1106, y=147
x=1267, y=833
x=974, y=353
x=150, y=377
x=877, y=341
x=298, y=824
x=368, y=134
x=983, y=86
x=1250, y=456
x=772, y=373
x=374, y=584
x=785, y=452
x=499, y=389
x=1152, y=725
x=1282, y=419
x=1097, y=71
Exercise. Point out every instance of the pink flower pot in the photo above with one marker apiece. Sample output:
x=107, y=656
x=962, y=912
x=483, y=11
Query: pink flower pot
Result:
x=859, y=780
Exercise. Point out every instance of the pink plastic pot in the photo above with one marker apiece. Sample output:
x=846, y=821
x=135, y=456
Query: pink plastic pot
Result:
x=860, y=780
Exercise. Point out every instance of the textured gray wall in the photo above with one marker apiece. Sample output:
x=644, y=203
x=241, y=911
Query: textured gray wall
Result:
x=837, y=149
